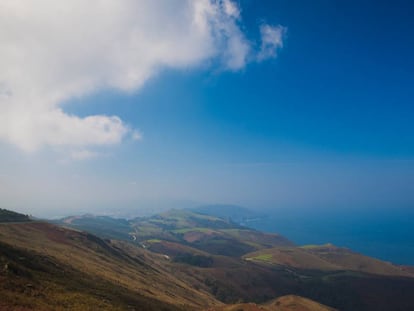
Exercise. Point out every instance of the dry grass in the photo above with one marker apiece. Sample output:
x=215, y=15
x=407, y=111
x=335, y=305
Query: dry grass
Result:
x=44, y=267
x=132, y=269
x=325, y=258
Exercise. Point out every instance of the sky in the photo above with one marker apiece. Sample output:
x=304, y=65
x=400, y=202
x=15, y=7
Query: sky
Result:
x=135, y=106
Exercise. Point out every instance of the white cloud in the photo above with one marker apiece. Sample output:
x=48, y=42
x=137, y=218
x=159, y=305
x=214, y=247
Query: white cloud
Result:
x=231, y=9
x=51, y=51
x=272, y=40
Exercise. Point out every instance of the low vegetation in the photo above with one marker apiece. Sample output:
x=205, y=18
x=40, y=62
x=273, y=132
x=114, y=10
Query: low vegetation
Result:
x=326, y=258
x=61, y=263
x=175, y=261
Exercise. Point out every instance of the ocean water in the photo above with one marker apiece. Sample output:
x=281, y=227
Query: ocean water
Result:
x=386, y=234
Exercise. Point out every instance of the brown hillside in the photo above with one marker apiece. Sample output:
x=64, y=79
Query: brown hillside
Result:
x=88, y=255
x=325, y=258
x=285, y=303
x=296, y=303
x=350, y=260
x=292, y=257
x=45, y=267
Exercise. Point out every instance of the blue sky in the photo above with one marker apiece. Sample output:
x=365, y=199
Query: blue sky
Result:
x=323, y=121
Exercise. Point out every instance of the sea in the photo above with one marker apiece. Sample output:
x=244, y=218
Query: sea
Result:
x=383, y=233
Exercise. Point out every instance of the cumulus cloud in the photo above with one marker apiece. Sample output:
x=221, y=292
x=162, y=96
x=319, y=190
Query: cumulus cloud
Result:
x=51, y=51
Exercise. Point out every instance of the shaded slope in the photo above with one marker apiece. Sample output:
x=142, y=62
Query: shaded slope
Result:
x=10, y=216
x=103, y=226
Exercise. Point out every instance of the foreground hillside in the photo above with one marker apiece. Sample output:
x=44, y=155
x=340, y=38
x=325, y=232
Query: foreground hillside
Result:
x=183, y=260
x=234, y=263
x=50, y=267
x=45, y=267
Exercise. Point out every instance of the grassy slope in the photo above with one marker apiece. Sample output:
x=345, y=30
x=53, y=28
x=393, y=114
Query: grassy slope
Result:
x=30, y=281
x=228, y=278
x=87, y=255
x=207, y=233
x=350, y=260
x=326, y=258
x=203, y=232
x=292, y=257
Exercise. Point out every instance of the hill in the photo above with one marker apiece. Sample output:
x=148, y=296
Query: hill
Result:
x=10, y=216
x=292, y=302
x=49, y=267
x=103, y=226
x=45, y=267
x=199, y=231
x=284, y=303
x=325, y=258
x=183, y=259
x=204, y=232
x=210, y=253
